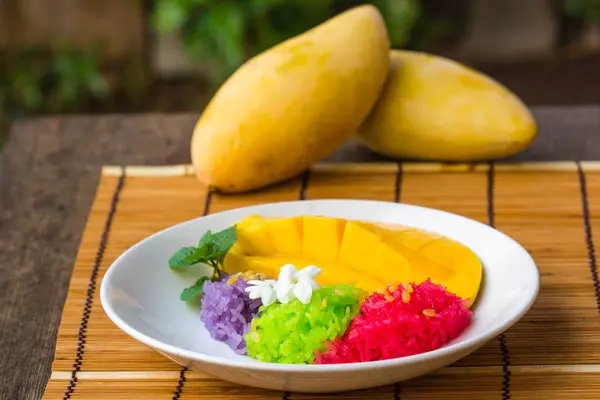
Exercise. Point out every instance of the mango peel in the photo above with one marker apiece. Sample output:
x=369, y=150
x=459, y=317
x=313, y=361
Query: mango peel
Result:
x=293, y=104
x=296, y=103
x=433, y=108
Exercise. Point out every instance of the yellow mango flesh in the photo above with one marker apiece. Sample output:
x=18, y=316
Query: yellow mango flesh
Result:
x=329, y=276
x=359, y=246
x=285, y=234
x=456, y=259
x=254, y=239
x=413, y=239
x=293, y=104
x=368, y=255
x=391, y=265
x=321, y=238
x=433, y=108
x=444, y=261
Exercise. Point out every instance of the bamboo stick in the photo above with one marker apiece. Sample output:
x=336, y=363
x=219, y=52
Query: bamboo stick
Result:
x=376, y=167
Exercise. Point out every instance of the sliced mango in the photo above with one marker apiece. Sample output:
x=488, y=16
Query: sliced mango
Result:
x=331, y=274
x=322, y=237
x=414, y=239
x=422, y=268
x=285, y=235
x=407, y=265
x=453, y=255
x=336, y=276
x=391, y=266
x=235, y=262
x=253, y=238
x=264, y=265
x=465, y=267
x=252, y=220
x=370, y=256
x=359, y=246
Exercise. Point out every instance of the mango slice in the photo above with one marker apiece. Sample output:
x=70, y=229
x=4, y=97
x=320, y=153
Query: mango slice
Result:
x=285, y=234
x=265, y=265
x=332, y=274
x=322, y=237
x=391, y=265
x=368, y=255
x=413, y=239
x=236, y=262
x=464, y=266
x=359, y=246
x=254, y=239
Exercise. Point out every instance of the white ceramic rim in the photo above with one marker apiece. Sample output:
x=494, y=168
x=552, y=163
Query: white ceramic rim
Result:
x=317, y=368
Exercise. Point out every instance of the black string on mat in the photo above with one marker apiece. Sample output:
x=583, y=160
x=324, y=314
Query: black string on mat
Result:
x=182, y=378
x=588, y=233
x=501, y=338
x=398, y=184
x=397, y=389
x=89, y=299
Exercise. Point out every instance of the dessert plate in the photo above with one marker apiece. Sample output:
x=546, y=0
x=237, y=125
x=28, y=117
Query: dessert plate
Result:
x=140, y=294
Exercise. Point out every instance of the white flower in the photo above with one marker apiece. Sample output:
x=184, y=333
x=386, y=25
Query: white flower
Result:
x=263, y=290
x=292, y=283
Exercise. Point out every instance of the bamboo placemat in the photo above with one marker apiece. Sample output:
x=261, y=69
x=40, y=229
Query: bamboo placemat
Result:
x=553, y=209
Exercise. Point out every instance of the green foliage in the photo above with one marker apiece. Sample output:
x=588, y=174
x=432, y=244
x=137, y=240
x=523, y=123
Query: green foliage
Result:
x=186, y=257
x=211, y=250
x=582, y=9
x=38, y=81
x=195, y=290
x=401, y=16
x=224, y=34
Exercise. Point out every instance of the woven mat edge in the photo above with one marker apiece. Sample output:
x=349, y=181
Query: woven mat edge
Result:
x=374, y=167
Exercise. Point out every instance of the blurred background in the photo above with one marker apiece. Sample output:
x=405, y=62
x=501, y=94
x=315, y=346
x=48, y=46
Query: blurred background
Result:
x=123, y=56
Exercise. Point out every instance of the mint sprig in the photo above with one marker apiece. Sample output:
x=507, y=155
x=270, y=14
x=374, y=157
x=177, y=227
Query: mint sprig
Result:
x=195, y=290
x=211, y=250
x=186, y=257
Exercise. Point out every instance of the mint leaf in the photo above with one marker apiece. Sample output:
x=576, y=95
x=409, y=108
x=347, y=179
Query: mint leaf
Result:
x=207, y=246
x=215, y=246
x=206, y=239
x=194, y=290
x=211, y=250
x=186, y=257
x=225, y=239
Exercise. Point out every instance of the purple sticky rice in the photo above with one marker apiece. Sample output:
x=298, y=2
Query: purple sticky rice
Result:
x=226, y=312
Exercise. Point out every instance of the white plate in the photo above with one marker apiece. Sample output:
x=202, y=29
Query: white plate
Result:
x=140, y=294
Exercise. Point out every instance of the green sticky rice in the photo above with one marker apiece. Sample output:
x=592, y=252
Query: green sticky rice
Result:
x=291, y=333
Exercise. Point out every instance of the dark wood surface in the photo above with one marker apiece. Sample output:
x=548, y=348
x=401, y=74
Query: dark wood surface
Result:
x=49, y=169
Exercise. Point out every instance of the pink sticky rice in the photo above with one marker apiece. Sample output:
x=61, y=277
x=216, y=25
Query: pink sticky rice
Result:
x=393, y=325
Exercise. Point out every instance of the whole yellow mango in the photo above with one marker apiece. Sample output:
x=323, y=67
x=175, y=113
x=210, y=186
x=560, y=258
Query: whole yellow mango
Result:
x=433, y=108
x=293, y=104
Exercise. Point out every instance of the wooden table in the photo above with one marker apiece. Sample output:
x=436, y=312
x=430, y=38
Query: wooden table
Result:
x=48, y=175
